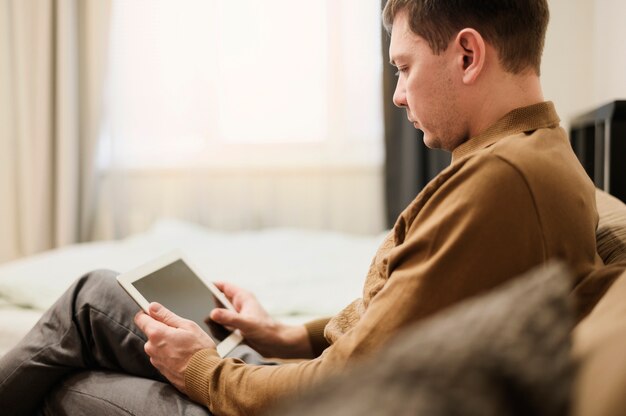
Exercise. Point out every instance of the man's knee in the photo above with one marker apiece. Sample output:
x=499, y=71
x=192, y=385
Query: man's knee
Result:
x=101, y=280
x=99, y=287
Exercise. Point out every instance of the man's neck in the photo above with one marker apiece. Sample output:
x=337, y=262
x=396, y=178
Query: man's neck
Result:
x=513, y=91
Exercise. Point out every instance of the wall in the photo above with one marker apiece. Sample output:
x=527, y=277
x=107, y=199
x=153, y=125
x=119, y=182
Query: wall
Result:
x=584, y=62
x=609, y=51
x=567, y=69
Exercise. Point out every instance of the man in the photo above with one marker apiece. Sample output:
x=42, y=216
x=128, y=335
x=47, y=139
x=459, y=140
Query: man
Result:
x=513, y=197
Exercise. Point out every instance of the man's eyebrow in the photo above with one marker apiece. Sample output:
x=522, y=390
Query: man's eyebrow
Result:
x=400, y=57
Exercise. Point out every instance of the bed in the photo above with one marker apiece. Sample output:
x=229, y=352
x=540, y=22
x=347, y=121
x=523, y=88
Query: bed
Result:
x=296, y=274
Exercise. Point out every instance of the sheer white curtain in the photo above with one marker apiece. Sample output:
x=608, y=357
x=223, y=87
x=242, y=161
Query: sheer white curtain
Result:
x=51, y=70
x=243, y=114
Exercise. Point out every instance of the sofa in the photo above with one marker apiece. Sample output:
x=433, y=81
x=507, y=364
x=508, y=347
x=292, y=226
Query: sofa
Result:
x=541, y=344
x=599, y=340
x=529, y=347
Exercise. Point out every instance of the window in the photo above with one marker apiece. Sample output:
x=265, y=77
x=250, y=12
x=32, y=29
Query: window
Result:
x=243, y=82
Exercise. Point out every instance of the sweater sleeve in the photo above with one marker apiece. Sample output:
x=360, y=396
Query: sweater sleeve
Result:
x=315, y=329
x=473, y=232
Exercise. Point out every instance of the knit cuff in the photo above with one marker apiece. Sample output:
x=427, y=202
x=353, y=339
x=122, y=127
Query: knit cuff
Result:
x=315, y=330
x=198, y=374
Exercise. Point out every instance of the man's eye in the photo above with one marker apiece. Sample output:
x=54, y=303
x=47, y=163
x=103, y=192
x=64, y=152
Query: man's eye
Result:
x=400, y=71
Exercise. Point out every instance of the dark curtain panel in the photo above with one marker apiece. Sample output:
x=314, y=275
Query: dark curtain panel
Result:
x=409, y=164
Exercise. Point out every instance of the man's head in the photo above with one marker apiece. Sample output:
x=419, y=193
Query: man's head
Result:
x=516, y=28
x=454, y=56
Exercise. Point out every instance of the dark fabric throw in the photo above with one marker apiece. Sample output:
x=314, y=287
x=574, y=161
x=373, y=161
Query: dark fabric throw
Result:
x=503, y=353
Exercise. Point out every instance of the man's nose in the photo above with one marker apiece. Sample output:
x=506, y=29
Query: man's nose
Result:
x=399, y=95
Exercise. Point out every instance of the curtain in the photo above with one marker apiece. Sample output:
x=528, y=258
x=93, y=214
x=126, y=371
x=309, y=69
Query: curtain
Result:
x=243, y=115
x=409, y=164
x=51, y=71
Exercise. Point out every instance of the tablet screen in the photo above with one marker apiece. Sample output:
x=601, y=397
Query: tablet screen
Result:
x=179, y=289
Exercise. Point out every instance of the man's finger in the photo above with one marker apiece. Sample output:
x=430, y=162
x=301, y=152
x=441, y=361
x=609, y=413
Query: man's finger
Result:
x=147, y=324
x=227, y=288
x=162, y=314
x=141, y=320
x=230, y=318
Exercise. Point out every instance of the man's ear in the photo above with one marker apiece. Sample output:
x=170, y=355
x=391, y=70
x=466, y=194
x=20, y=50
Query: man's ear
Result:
x=471, y=49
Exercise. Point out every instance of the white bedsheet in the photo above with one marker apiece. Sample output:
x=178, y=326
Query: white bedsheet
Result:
x=296, y=274
x=14, y=322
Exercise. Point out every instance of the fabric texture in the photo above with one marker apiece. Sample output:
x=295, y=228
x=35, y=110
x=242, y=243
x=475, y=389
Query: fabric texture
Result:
x=590, y=290
x=611, y=233
x=105, y=393
x=599, y=343
x=90, y=326
x=611, y=246
x=315, y=329
x=52, y=57
x=503, y=353
x=85, y=357
x=513, y=198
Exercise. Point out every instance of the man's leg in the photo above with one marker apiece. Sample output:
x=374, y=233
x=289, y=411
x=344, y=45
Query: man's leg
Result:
x=107, y=393
x=89, y=327
x=113, y=394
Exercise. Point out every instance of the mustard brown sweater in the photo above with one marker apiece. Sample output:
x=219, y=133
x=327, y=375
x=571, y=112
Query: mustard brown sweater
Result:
x=512, y=198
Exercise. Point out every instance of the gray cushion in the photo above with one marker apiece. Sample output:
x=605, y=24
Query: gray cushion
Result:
x=504, y=353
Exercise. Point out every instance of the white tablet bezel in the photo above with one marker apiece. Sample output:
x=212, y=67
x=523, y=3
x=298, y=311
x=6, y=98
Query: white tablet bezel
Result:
x=127, y=279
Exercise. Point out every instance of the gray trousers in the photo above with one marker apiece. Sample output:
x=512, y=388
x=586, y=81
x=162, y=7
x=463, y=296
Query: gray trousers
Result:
x=85, y=357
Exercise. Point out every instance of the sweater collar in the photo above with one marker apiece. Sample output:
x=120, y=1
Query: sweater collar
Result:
x=523, y=119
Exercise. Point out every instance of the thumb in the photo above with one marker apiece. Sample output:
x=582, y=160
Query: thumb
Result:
x=162, y=314
x=231, y=319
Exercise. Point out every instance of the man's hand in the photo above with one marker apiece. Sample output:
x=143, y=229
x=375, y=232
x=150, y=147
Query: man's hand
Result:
x=172, y=341
x=267, y=336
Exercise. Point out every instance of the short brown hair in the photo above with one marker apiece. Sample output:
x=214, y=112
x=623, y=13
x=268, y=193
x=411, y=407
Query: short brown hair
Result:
x=516, y=28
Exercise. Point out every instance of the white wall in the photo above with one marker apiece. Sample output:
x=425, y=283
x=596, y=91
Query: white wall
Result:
x=567, y=69
x=584, y=61
x=609, y=51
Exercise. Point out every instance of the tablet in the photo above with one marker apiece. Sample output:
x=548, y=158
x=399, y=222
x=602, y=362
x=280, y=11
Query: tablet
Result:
x=175, y=284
